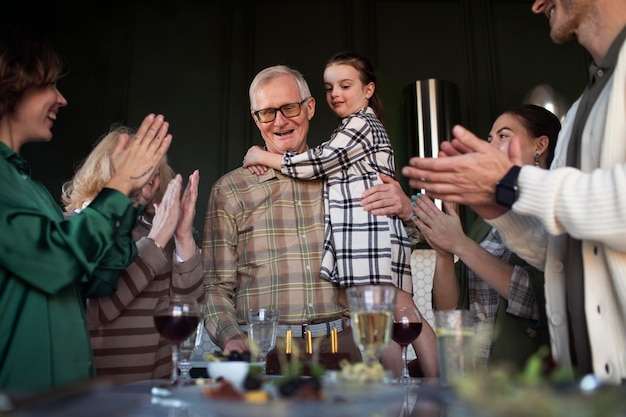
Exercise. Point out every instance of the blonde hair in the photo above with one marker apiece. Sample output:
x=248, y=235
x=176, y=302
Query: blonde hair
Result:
x=96, y=170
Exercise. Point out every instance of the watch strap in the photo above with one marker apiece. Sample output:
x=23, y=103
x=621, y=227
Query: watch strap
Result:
x=511, y=176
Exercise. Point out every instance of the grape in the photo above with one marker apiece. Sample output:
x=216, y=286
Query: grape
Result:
x=252, y=383
x=289, y=387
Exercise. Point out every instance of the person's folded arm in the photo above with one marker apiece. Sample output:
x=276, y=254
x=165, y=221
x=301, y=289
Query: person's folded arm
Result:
x=93, y=246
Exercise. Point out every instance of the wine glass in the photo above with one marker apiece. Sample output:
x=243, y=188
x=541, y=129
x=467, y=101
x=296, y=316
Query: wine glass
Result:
x=186, y=348
x=176, y=318
x=407, y=326
x=371, y=313
x=262, y=327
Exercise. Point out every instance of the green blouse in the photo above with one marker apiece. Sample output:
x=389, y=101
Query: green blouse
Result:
x=48, y=265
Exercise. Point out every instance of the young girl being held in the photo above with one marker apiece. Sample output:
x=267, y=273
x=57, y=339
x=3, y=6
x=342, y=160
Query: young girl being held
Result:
x=359, y=248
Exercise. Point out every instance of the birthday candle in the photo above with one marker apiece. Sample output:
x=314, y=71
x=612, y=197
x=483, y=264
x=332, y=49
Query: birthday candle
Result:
x=309, y=342
x=288, y=337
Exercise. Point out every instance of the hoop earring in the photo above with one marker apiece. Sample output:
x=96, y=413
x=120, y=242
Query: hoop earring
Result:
x=537, y=159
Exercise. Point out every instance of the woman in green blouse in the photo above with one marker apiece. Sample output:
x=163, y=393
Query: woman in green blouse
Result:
x=49, y=264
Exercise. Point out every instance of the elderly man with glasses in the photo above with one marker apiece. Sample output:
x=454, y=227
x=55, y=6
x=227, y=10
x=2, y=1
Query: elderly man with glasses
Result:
x=264, y=234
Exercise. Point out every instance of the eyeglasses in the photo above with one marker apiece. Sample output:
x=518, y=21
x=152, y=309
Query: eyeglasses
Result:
x=288, y=110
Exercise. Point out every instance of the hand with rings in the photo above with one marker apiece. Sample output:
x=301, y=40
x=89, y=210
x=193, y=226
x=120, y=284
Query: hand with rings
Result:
x=133, y=162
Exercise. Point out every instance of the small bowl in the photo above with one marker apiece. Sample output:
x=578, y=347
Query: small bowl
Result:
x=234, y=372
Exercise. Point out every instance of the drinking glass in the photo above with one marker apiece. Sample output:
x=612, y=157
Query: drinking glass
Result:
x=262, y=325
x=187, y=347
x=456, y=344
x=176, y=318
x=371, y=314
x=407, y=326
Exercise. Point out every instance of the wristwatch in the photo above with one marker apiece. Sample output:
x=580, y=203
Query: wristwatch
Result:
x=507, y=189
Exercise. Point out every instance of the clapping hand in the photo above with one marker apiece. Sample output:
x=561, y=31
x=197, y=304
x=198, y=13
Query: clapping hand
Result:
x=174, y=216
x=185, y=243
x=442, y=230
x=465, y=172
x=135, y=159
x=167, y=213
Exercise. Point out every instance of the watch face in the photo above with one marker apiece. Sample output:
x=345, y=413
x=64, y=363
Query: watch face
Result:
x=506, y=194
x=506, y=188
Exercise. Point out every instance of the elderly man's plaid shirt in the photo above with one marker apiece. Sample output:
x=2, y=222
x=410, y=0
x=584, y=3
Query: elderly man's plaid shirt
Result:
x=262, y=247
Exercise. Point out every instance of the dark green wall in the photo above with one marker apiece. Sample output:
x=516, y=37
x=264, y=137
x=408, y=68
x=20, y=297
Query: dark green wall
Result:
x=194, y=60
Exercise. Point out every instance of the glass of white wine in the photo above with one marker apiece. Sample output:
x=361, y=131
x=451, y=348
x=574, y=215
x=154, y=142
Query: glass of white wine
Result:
x=371, y=313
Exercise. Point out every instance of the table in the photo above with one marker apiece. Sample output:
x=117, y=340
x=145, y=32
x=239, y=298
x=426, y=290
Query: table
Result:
x=426, y=399
x=137, y=400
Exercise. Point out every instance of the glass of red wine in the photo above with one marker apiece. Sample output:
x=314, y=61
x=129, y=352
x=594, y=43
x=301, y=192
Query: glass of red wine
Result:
x=407, y=325
x=176, y=318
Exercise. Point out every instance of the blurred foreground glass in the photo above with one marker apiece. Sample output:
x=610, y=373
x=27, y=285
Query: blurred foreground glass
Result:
x=176, y=318
x=371, y=315
x=456, y=344
x=262, y=325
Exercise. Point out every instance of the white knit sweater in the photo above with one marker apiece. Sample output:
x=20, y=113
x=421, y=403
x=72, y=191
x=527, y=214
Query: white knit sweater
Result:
x=589, y=204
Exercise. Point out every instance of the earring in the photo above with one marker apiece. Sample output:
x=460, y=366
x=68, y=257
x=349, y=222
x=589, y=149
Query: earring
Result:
x=537, y=159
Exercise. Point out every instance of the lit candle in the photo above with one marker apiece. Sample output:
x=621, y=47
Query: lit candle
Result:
x=288, y=337
x=309, y=342
x=334, y=342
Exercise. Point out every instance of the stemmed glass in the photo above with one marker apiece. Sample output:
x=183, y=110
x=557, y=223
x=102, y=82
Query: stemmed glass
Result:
x=187, y=347
x=262, y=326
x=176, y=318
x=371, y=312
x=407, y=326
